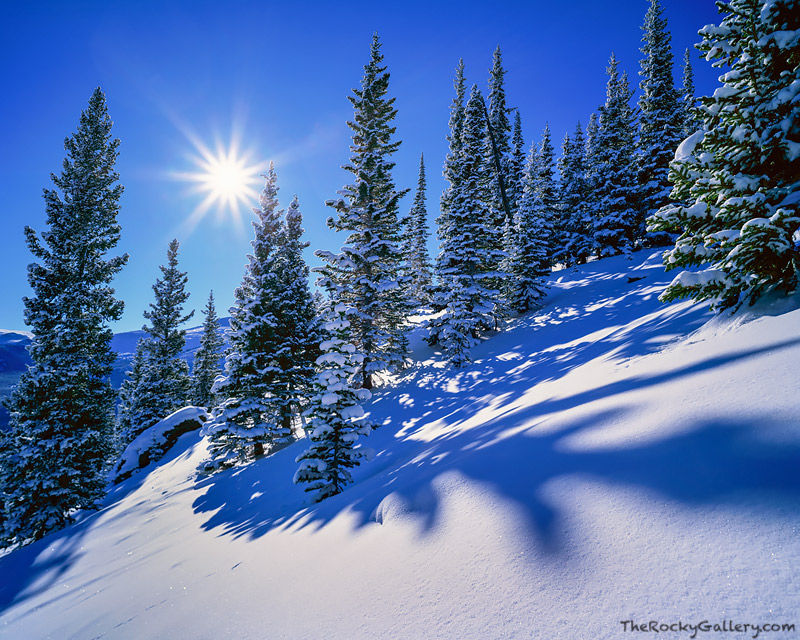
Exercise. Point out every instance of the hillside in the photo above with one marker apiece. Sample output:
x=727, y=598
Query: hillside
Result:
x=608, y=458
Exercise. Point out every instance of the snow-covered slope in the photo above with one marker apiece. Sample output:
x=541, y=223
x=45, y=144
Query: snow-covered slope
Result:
x=609, y=458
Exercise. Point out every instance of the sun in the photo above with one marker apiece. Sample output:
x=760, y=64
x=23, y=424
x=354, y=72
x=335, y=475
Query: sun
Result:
x=226, y=178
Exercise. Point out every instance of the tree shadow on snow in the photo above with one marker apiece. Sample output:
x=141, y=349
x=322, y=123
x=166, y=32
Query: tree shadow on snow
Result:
x=713, y=461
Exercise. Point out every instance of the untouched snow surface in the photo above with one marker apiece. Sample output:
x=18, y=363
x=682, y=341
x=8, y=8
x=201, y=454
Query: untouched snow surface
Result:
x=609, y=458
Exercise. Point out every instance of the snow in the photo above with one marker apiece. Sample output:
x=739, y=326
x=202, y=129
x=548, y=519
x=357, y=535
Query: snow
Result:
x=153, y=442
x=608, y=458
x=686, y=148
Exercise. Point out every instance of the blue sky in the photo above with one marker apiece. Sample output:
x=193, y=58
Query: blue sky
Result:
x=279, y=74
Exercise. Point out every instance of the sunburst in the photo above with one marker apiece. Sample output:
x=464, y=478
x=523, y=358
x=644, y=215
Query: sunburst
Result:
x=226, y=178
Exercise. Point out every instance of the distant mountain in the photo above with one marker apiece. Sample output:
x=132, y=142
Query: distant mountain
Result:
x=14, y=356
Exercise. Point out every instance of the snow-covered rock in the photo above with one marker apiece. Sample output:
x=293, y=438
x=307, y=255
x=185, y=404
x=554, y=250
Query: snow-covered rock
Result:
x=154, y=442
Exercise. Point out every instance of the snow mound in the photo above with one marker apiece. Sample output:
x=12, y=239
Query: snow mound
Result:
x=154, y=442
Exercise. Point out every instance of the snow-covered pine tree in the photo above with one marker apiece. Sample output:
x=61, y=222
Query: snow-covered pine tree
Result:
x=207, y=361
x=298, y=325
x=164, y=384
x=246, y=422
x=737, y=180
x=450, y=173
x=62, y=410
x=366, y=273
x=516, y=164
x=546, y=201
x=500, y=145
x=691, y=122
x=125, y=431
x=531, y=259
x=615, y=189
x=335, y=414
x=469, y=253
x=661, y=121
x=416, y=260
x=572, y=201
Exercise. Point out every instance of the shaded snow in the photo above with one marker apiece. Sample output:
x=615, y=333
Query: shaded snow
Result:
x=607, y=458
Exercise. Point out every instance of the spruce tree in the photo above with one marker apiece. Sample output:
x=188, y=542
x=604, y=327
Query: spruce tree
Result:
x=501, y=132
x=126, y=430
x=335, y=414
x=416, y=261
x=516, y=164
x=573, y=195
x=531, y=258
x=737, y=180
x=164, y=385
x=691, y=122
x=298, y=326
x=247, y=421
x=450, y=173
x=62, y=411
x=469, y=253
x=207, y=360
x=661, y=121
x=366, y=273
x=615, y=188
x=546, y=198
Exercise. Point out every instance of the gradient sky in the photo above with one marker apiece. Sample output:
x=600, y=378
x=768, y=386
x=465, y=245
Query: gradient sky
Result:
x=278, y=74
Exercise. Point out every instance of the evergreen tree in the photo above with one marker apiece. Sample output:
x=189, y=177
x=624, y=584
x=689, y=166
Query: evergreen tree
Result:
x=366, y=273
x=248, y=419
x=298, y=326
x=62, y=411
x=469, y=253
x=614, y=183
x=661, y=121
x=415, y=244
x=691, y=122
x=164, y=384
x=516, y=164
x=126, y=430
x=450, y=172
x=208, y=357
x=546, y=197
x=531, y=257
x=501, y=131
x=335, y=414
x=576, y=241
x=737, y=180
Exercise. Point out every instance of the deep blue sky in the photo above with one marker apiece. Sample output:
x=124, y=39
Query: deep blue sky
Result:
x=282, y=71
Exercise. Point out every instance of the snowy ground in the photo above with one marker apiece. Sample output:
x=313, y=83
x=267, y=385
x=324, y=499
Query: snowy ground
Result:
x=610, y=458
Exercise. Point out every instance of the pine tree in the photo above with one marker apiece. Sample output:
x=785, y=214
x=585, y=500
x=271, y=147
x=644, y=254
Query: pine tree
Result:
x=164, y=384
x=573, y=194
x=417, y=263
x=501, y=132
x=661, y=121
x=335, y=413
x=366, y=273
x=450, y=172
x=516, y=164
x=546, y=199
x=691, y=122
x=207, y=360
x=531, y=257
x=126, y=430
x=737, y=180
x=62, y=411
x=247, y=422
x=468, y=254
x=614, y=184
x=298, y=326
